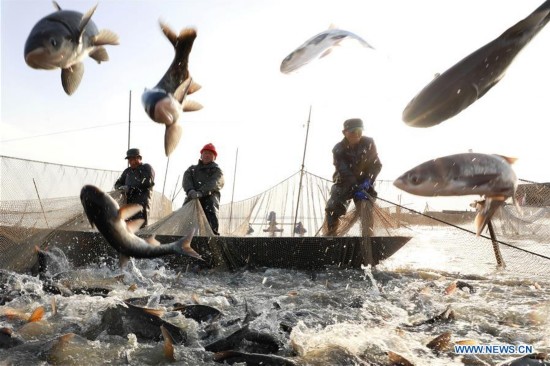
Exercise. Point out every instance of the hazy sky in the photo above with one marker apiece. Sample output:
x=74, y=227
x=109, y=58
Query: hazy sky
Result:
x=250, y=106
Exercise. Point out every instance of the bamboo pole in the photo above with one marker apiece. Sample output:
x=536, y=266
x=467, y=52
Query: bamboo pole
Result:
x=233, y=190
x=40, y=201
x=301, y=172
x=496, y=248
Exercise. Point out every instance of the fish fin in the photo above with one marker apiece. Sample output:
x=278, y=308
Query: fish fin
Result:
x=99, y=54
x=168, y=344
x=183, y=89
x=56, y=5
x=134, y=225
x=129, y=210
x=71, y=77
x=191, y=106
x=172, y=137
x=196, y=299
x=186, y=245
x=332, y=26
x=37, y=314
x=151, y=240
x=466, y=342
x=194, y=87
x=85, y=20
x=123, y=260
x=155, y=312
x=326, y=53
x=486, y=212
x=508, y=159
x=169, y=33
x=105, y=37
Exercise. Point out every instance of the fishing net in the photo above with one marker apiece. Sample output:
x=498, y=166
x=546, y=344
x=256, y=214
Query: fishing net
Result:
x=40, y=206
x=40, y=201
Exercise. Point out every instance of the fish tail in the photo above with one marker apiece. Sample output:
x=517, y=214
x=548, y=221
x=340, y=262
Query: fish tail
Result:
x=486, y=212
x=184, y=43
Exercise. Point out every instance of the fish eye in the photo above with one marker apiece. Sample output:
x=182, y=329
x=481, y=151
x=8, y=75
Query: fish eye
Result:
x=415, y=179
x=53, y=42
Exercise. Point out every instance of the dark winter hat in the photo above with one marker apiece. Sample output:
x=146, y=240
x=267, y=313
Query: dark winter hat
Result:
x=131, y=153
x=210, y=147
x=353, y=123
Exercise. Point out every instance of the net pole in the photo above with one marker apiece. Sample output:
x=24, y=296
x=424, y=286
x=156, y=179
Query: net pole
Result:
x=496, y=248
x=301, y=173
x=233, y=191
x=40, y=202
x=165, y=174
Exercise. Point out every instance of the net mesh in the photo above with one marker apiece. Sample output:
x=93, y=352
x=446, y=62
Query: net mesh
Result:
x=39, y=200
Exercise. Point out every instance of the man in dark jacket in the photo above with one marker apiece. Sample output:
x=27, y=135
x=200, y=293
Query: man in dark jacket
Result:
x=137, y=183
x=204, y=181
x=357, y=165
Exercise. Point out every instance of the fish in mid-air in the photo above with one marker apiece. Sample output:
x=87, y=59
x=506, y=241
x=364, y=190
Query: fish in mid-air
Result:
x=317, y=47
x=62, y=40
x=464, y=174
x=468, y=80
x=165, y=102
x=104, y=213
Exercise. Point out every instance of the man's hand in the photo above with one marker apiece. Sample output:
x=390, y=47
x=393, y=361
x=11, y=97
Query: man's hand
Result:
x=125, y=189
x=365, y=185
x=194, y=194
x=361, y=195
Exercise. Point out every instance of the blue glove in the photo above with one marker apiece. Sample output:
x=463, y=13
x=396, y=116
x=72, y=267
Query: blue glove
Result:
x=365, y=185
x=361, y=195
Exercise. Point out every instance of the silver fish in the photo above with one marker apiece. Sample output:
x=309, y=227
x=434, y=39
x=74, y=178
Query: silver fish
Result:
x=104, y=213
x=166, y=100
x=62, y=40
x=468, y=80
x=317, y=47
x=464, y=174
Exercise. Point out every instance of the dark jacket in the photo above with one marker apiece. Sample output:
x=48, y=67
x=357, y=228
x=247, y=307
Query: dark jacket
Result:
x=205, y=178
x=355, y=164
x=140, y=182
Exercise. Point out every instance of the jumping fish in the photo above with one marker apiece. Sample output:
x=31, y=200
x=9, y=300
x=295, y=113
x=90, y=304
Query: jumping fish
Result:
x=317, y=47
x=464, y=174
x=62, y=40
x=164, y=102
x=472, y=77
x=104, y=213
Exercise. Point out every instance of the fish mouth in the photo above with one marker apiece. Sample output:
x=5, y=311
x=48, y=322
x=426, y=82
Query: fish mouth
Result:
x=41, y=58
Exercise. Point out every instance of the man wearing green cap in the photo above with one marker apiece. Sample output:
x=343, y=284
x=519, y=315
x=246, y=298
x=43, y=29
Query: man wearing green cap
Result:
x=137, y=183
x=356, y=165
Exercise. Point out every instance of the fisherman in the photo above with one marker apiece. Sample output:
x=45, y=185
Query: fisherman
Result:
x=136, y=182
x=356, y=165
x=204, y=181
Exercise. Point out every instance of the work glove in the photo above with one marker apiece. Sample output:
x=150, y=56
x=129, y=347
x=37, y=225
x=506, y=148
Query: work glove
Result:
x=361, y=195
x=365, y=186
x=194, y=194
x=124, y=189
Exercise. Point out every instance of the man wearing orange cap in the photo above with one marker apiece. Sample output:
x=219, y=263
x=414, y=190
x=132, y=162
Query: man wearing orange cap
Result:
x=204, y=182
